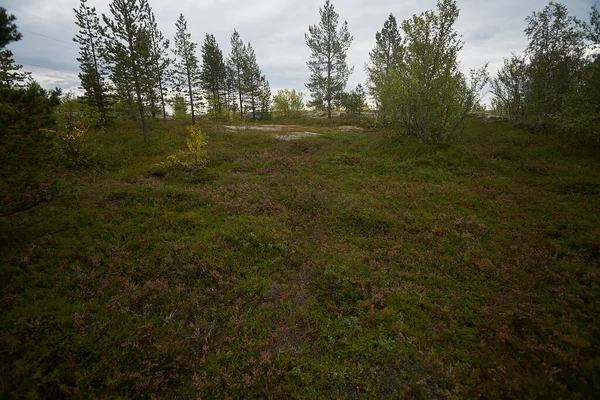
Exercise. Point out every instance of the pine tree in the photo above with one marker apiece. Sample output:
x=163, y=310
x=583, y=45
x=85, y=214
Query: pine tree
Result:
x=385, y=54
x=328, y=47
x=93, y=72
x=149, y=78
x=237, y=60
x=160, y=60
x=355, y=101
x=187, y=71
x=252, y=79
x=124, y=45
x=230, y=84
x=9, y=70
x=214, y=73
x=265, y=98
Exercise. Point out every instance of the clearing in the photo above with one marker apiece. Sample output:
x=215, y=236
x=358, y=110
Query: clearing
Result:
x=343, y=265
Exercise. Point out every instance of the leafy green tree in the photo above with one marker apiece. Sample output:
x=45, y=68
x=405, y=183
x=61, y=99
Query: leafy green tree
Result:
x=354, y=101
x=214, y=74
x=179, y=108
x=510, y=87
x=555, y=50
x=581, y=109
x=328, y=46
x=124, y=46
x=93, y=70
x=427, y=94
x=74, y=121
x=288, y=103
x=187, y=70
x=9, y=70
x=385, y=55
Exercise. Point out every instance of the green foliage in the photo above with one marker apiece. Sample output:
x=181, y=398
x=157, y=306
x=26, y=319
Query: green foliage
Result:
x=27, y=109
x=581, y=114
x=93, y=74
x=216, y=111
x=255, y=84
x=195, y=157
x=386, y=54
x=237, y=119
x=426, y=94
x=235, y=64
x=187, y=71
x=555, y=50
x=10, y=77
x=509, y=89
x=288, y=103
x=158, y=64
x=328, y=67
x=248, y=89
x=554, y=85
x=355, y=101
x=127, y=51
x=342, y=265
x=74, y=122
x=180, y=108
x=213, y=76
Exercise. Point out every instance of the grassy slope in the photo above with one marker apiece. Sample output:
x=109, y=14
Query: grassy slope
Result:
x=346, y=265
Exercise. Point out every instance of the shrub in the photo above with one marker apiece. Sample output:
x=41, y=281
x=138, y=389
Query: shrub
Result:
x=195, y=157
x=288, y=103
x=74, y=121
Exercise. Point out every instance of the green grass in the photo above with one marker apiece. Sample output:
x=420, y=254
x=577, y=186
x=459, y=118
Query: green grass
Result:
x=341, y=266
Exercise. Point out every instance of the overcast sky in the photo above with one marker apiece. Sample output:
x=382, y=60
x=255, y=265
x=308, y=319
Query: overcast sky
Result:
x=491, y=29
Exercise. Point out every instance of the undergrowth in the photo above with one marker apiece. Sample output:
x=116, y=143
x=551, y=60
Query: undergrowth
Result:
x=342, y=265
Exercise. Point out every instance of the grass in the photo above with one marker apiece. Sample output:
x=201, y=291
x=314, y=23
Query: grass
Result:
x=346, y=265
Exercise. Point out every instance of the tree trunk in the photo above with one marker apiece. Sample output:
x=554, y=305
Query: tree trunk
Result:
x=162, y=100
x=191, y=97
x=138, y=89
x=98, y=84
x=240, y=91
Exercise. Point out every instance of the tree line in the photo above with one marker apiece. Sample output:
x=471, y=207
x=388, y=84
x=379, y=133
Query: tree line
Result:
x=129, y=67
x=554, y=84
x=414, y=77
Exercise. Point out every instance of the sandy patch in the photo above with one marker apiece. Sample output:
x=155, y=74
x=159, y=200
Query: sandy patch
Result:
x=296, y=135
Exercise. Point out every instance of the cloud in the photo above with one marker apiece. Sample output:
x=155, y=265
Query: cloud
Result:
x=491, y=30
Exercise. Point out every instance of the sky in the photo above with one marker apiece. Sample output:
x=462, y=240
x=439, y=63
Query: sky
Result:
x=491, y=30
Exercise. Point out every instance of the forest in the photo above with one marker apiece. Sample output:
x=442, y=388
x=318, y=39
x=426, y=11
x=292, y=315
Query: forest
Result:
x=174, y=229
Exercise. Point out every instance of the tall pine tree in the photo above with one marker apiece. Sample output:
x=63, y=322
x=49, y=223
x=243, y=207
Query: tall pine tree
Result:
x=160, y=61
x=237, y=65
x=93, y=72
x=265, y=98
x=328, y=47
x=187, y=71
x=385, y=54
x=214, y=74
x=9, y=70
x=252, y=80
x=124, y=46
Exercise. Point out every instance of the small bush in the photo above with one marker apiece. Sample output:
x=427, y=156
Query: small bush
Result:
x=74, y=121
x=195, y=157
